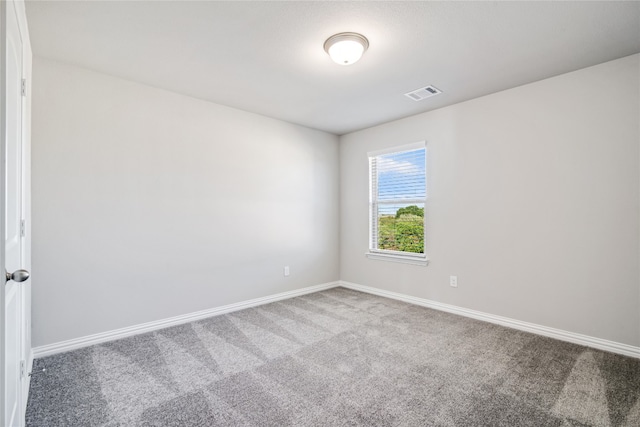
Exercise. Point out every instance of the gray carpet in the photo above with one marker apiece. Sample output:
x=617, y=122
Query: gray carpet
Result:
x=336, y=358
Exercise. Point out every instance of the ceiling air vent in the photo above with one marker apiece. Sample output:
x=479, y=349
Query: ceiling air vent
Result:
x=423, y=93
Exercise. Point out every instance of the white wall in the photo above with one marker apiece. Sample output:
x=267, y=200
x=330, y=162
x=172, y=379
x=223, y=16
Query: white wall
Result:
x=533, y=203
x=149, y=204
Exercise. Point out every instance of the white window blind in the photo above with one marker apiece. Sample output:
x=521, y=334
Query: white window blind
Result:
x=398, y=192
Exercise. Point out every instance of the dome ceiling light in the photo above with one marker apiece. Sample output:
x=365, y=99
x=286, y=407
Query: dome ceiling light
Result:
x=346, y=48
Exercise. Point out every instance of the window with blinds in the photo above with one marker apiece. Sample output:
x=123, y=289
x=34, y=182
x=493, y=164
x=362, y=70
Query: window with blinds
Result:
x=398, y=192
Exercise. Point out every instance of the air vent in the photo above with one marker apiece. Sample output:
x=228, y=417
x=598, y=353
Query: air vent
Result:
x=423, y=93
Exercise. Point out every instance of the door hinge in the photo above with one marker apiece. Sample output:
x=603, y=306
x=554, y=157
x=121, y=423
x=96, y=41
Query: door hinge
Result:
x=23, y=231
x=22, y=368
x=24, y=87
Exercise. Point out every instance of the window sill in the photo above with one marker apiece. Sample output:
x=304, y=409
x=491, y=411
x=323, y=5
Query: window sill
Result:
x=404, y=259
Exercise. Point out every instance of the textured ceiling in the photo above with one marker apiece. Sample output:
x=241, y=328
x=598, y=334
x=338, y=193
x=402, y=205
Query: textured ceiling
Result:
x=267, y=57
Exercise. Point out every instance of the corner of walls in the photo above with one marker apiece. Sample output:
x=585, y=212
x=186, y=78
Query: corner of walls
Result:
x=132, y=144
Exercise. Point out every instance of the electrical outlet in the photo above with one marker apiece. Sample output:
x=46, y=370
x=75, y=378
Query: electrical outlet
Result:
x=286, y=270
x=453, y=281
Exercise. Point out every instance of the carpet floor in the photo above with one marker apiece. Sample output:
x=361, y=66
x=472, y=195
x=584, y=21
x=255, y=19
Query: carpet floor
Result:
x=336, y=358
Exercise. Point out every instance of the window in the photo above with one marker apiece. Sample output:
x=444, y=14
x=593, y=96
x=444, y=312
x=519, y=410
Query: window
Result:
x=397, y=196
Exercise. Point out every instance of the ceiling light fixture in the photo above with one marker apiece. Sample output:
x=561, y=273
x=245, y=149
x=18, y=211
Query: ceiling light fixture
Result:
x=346, y=48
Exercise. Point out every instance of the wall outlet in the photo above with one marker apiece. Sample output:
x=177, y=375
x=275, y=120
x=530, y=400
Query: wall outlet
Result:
x=453, y=281
x=286, y=270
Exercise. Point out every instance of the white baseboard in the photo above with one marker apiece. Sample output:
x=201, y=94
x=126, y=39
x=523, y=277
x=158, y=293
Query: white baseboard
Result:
x=76, y=343
x=588, y=341
x=601, y=344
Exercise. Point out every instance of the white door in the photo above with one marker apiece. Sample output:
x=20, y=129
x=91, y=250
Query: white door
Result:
x=13, y=310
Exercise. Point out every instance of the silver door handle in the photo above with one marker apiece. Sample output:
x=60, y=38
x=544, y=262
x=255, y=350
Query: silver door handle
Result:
x=17, y=276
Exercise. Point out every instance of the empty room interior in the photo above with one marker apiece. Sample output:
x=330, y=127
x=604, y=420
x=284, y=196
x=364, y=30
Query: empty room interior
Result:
x=318, y=213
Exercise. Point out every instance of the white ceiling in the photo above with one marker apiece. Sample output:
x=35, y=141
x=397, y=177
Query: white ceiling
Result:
x=267, y=57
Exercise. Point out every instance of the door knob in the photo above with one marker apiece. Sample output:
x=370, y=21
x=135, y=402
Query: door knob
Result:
x=17, y=276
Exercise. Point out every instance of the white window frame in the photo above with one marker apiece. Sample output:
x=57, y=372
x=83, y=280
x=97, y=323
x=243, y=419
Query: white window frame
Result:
x=385, y=254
